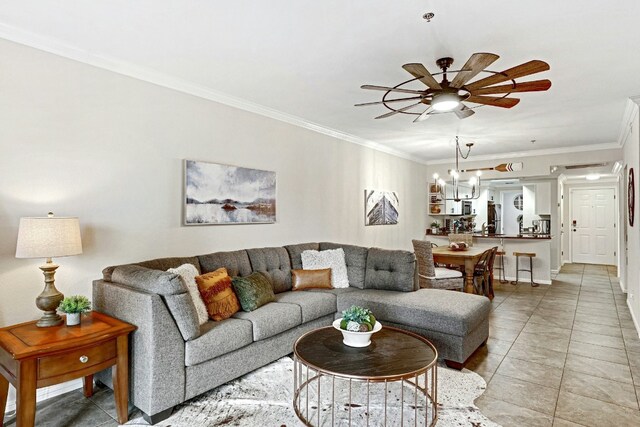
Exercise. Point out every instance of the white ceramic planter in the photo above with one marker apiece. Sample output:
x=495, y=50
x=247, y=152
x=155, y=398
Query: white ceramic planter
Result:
x=356, y=339
x=73, y=319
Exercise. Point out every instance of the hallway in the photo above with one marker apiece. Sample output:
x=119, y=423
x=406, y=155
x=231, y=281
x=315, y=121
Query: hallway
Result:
x=562, y=355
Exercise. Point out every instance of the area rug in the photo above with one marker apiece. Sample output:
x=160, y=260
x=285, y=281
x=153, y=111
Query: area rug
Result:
x=263, y=398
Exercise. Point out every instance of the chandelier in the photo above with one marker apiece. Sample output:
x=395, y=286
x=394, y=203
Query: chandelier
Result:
x=474, y=181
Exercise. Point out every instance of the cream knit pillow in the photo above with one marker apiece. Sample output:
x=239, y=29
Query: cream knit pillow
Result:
x=188, y=273
x=333, y=259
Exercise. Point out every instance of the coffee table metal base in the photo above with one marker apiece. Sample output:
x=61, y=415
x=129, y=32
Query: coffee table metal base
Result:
x=391, y=382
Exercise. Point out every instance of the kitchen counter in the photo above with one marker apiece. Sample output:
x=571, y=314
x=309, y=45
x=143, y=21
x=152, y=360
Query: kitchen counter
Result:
x=510, y=243
x=524, y=236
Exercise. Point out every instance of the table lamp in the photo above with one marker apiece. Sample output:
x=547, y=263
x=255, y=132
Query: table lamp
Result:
x=48, y=237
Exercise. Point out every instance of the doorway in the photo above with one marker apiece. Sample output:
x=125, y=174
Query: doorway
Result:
x=592, y=213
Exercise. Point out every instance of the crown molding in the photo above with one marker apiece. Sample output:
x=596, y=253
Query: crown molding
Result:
x=59, y=48
x=630, y=113
x=533, y=153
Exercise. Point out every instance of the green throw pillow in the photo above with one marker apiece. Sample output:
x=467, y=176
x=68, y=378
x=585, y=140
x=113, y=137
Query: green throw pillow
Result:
x=253, y=291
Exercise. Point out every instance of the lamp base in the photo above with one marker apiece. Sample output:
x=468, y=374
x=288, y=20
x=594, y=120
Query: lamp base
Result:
x=50, y=318
x=49, y=300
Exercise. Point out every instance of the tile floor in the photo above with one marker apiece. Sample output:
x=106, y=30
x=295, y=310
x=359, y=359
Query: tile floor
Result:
x=560, y=355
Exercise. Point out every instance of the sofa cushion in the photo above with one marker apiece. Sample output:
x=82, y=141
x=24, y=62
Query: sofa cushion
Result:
x=156, y=264
x=253, y=291
x=218, y=294
x=272, y=319
x=296, y=250
x=334, y=291
x=391, y=270
x=356, y=260
x=218, y=338
x=311, y=279
x=273, y=263
x=453, y=313
x=313, y=305
x=188, y=273
x=236, y=262
x=184, y=313
x=148, y=280
x=333, y=259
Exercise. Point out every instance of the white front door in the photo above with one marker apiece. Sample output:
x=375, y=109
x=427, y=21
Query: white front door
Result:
x=592, y=225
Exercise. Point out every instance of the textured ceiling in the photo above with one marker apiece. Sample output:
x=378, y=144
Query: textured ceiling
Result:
x=307, y=59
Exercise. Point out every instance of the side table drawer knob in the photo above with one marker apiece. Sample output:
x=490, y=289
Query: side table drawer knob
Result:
x=84, y=359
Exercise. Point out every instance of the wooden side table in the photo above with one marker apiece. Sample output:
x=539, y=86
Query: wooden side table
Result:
x=33, y=357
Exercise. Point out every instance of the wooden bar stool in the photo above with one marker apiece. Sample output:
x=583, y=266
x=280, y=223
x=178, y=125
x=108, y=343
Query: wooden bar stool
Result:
x=529, y=255
x=500, y=266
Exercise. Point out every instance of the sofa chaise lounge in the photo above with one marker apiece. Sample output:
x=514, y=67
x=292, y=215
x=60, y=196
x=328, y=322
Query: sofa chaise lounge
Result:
x=173, y=359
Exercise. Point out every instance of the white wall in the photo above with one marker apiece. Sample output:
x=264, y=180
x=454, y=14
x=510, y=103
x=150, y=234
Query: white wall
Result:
x=83, y=141
x=631, y=156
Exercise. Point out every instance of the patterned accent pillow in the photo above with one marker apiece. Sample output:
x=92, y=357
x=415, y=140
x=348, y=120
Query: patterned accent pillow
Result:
x=253, y=291
x=188, y=273
x=333, y=259
x=217, y=292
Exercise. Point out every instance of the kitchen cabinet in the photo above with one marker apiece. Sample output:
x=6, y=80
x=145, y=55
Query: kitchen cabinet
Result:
x=543, y=198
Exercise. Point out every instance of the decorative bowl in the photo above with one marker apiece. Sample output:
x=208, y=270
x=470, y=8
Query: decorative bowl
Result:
x=458, y=246
x=356, y=339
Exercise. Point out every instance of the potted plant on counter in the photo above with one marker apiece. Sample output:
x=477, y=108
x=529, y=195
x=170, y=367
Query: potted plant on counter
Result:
x=435, y=225
x=74, y=306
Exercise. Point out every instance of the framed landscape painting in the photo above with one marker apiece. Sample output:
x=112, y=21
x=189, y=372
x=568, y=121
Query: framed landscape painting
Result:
x=380, y=207
x=223, y=194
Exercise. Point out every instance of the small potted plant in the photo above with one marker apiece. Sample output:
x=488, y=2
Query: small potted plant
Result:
x=434, y=227
x=357, y=324
x=74, y=306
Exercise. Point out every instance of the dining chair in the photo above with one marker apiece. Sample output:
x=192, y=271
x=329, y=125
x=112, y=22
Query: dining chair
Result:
x=430, y=276
x=483, y=273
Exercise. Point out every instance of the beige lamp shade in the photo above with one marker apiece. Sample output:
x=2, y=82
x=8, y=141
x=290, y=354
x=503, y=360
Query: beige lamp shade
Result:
x=48, y=237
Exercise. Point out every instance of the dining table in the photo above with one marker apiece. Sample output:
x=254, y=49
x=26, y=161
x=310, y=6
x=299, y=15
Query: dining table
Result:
x=467, y=258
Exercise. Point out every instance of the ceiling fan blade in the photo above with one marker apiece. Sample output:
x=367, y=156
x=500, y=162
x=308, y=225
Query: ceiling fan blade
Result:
x=534, y=86
x=463, y=112
x=473, y=66
x=393, y=89
x=495, y=102
x=521, y=70
x=400, y=110
x=419, y=71
x=424, y=116
x=389, y=100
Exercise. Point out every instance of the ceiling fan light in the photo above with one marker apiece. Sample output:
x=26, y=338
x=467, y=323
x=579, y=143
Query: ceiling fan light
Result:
x=445, y=101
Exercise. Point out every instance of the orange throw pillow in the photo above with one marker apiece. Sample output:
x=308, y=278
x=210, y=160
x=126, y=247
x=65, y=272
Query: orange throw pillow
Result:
x=217, y=294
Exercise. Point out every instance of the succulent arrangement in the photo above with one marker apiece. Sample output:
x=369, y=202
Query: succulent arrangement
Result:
x=357, y=319
x=75, y=304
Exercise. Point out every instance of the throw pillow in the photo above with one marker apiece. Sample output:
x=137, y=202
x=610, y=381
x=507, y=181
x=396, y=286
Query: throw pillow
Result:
x=333, y=259
x=188, y=273
x=311, y=279
x=253, y=291
x=217, y=293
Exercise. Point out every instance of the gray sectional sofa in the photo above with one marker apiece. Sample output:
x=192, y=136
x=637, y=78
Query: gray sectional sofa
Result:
x=173, y=359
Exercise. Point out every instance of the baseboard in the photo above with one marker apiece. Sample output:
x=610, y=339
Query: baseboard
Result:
x=44, y=393
x=633, y=317
x=623, y=288
x=556, y=271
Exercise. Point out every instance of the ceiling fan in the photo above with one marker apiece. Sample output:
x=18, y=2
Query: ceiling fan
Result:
x=452, y=96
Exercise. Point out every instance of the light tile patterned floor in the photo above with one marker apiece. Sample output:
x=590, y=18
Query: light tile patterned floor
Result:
x=560, y=355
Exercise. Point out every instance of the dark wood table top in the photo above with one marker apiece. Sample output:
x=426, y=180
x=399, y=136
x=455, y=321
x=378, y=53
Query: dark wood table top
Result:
x=392, y=354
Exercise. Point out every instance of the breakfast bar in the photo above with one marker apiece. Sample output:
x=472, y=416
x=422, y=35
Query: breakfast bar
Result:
x=538, y=244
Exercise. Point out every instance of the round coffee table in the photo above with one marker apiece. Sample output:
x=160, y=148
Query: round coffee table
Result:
x=392, y=380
